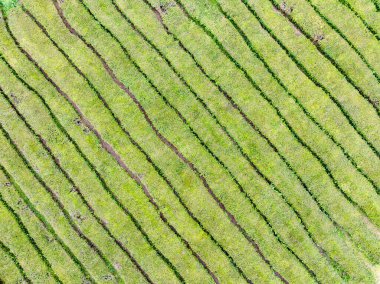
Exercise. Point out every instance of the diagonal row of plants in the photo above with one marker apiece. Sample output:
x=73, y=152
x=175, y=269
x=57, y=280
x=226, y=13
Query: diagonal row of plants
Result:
x=78, y=215
x=214, y=156
x=185, y=122
x=183, y=119
x=304, y=110
x=359, y=36
x=367, y=18
x=332, y=137
x=235, y=45
x=371, y=189
x=41, y=272
x=73, y=190
x=40, y=231
x=303, y=87
x=351, y=37
x=7, y=222
x=135, y=177
x=72, y=31
x=91, y=166
x=301, y=83
x=368, y=88
x=16, y=270
x=23, y=170
x=75, y=187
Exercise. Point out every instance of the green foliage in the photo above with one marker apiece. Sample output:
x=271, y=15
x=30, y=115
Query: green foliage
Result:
x=6, y=5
